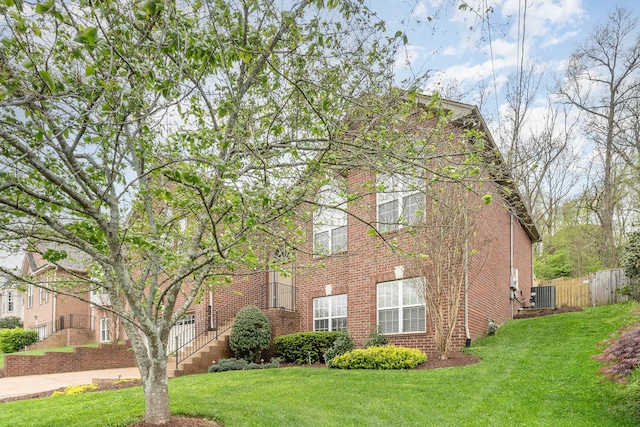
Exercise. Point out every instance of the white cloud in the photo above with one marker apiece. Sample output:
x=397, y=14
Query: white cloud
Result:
x=408, y=56
x=554, y=41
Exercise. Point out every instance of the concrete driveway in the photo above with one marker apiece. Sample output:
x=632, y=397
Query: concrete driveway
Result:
x=29, y=384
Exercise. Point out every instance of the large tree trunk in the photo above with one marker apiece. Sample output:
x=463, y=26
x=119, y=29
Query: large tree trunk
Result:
x=156, y=391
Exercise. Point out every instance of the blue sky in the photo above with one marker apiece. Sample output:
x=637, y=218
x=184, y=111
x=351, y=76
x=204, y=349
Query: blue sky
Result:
x=466, y=58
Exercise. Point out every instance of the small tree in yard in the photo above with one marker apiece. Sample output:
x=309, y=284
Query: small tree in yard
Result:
x=250, y=334
x=437, y=254
x=171, y=143
x=10, y=322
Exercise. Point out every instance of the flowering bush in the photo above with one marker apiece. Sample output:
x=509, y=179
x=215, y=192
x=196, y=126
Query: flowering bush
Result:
x=387, y=357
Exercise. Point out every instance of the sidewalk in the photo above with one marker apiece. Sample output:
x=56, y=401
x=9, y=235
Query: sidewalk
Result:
x=29, y=384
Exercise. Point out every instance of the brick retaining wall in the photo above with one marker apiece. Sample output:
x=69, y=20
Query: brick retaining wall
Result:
x=106, y=356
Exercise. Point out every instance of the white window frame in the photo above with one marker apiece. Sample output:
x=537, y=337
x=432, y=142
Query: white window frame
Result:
x=10, y=301
x=400, y=201
x=42, y=331
x=331, y=310
x=330, y=224
x=400, y=307
x=104, y=330
x=30, y=296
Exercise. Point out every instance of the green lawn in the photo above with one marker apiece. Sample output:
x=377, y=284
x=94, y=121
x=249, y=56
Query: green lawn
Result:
x=43, y=351
x=535, y=372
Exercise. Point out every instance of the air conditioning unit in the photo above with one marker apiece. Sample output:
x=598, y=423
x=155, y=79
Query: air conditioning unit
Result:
x=543, y=296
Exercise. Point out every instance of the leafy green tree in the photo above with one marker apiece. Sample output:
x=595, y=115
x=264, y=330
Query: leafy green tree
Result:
x=159, y=138
x=572, y=251
x=10, y=322
x=631, y=265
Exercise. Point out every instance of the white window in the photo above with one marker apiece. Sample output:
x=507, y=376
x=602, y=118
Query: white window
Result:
x=400, y=202
x=30, y=296
x=104, y=330
x=44, y=294
x=42, y=332
x=330, y=313
x=330, y=224
x=9, y=301
x=400, y=306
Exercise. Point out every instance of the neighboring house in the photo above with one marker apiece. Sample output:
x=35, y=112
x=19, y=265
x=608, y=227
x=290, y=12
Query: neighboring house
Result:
x=50, y=312
x=362, y=284
x=11, y=300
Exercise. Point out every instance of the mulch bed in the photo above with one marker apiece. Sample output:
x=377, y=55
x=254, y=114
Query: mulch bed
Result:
x=539, y=312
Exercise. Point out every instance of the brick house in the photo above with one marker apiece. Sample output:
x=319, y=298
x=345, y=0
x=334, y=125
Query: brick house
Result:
x=11, y=300
x=63, y=319
x=347, y=277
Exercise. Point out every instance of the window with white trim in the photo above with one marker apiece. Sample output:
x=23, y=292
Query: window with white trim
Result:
x=104, y=330
x=9, y=301
x=330, y=224
x=30, y=296
x=400, y=201
x=401, y=307
x=330, y=313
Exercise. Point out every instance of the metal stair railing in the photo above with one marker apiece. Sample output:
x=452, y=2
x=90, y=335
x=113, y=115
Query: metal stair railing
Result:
x=210, y=327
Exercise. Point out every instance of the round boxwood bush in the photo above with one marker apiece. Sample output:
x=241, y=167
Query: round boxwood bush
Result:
x=387, y=357
x=250, y=334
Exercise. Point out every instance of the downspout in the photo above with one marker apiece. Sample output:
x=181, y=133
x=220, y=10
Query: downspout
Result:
x=511, y=291
x=466, y=283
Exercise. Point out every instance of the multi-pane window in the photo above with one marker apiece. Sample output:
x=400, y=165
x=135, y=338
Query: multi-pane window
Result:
x=401, y=307
x=30, y=296
x=330, y=313
x=400, y=202
x=330, y=221
x=9, y=301
x=104, y=330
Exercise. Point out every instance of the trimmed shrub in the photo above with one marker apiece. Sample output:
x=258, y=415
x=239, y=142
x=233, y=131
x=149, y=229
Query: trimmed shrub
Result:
x=241, y=365
x=250, y=334
x=375, y=338
x=388, y=357
x=12, y=340
x=304, y=347
x=341, y=345
x=10, y=322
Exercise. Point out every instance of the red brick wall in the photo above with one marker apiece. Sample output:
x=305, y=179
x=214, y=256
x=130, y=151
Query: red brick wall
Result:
x=282, y=322
x=369, y=261
x=106, y=356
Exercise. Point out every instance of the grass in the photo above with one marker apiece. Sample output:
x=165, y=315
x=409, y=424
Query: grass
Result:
x=43, y=351
x=535, y=372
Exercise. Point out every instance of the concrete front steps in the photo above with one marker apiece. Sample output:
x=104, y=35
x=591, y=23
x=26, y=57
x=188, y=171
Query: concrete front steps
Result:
x=199, y=362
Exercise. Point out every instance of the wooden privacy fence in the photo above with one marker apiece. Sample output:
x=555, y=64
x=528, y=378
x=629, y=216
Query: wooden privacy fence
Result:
x=598, y=288
x=572, y=291
x=603, y=285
